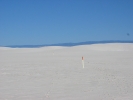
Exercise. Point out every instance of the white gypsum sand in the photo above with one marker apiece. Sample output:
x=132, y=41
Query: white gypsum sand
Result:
x=56, y=73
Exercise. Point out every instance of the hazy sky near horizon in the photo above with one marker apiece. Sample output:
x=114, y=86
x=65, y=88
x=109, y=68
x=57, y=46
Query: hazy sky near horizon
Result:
x=24, y=22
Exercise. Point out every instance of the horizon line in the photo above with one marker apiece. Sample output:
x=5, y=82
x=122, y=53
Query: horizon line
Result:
x=68, y=44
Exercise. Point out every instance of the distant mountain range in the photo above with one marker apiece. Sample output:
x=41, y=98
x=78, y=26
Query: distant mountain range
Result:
x=69, y=44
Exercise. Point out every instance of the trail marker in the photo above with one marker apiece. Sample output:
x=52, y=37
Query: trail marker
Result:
x=83, y=61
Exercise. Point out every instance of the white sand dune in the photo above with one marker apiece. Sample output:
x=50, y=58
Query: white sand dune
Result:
x=56, y=73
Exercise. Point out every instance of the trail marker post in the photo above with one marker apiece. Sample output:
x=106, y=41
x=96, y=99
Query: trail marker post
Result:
x=83, y=61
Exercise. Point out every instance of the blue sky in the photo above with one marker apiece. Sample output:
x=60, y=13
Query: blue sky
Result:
x=24, y=22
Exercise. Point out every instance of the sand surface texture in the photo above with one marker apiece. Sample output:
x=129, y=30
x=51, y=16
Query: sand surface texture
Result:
x=56, y=73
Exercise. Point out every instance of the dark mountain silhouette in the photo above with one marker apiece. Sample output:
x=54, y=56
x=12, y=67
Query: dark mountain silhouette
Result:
x=69, y=44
